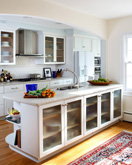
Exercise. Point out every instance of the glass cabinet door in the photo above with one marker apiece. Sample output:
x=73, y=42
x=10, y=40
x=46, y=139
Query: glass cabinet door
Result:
x=91, y=113
x=105, y=108
x=52, y=128
x=60, y=49
x=7, y=47
x=49, y=49
x=117, y=104
x=73, y=119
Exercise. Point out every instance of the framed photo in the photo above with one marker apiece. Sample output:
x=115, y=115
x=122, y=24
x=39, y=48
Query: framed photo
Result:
x=47, y=72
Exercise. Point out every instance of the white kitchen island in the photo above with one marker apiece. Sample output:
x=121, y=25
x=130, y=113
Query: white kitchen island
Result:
x=50, y=125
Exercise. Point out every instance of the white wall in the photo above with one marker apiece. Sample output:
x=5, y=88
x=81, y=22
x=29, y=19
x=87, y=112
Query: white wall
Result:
x=40, y=8
x=116, y=28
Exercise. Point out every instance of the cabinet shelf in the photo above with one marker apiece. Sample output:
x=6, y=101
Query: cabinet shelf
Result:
x=74, y=109
x=104, y=113
x=48, y=116
x=90, y=104
x=9, y=119
x=10, y=140
x=72, y=126
x=60, y=49
x=104, y=100
x=91, y=117
x=116, y=109
x=49, y=134
x=7, y=37
x=6, y=46
x=6, y=55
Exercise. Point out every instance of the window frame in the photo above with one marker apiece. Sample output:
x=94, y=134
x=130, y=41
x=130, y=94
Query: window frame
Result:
x=124, y=63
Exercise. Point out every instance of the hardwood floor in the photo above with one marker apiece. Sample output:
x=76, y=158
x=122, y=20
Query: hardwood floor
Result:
x=9, y=157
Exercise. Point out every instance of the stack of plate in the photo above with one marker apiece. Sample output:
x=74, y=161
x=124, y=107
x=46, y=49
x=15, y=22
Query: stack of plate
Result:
x=5, y=43
x=5, y=35
x=5, y=53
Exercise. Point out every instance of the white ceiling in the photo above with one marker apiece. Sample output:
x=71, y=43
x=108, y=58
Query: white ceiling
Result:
x=106, y=9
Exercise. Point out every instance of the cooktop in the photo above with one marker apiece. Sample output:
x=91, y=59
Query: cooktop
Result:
x=28, y=79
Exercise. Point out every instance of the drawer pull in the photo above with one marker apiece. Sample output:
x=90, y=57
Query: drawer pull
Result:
x=67, y=81
x=56, y=83
x=15, y=88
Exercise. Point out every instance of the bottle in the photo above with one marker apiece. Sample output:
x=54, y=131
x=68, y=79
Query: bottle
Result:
x=2, y=76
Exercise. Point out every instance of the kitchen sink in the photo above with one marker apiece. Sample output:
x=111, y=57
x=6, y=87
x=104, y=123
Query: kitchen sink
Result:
x=68, y=87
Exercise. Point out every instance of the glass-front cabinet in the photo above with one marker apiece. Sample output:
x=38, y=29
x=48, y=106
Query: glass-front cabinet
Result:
x=91, y=113
x=61, y=124
x=52, y=127
x=7, y=41
x=73, y=120
x=105, y=108
x=54, y=50
x=117, y=103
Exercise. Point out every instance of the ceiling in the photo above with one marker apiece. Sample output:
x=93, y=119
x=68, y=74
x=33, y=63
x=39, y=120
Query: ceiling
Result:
x=105, y=9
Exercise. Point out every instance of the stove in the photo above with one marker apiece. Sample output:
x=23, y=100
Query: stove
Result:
x=28, y=79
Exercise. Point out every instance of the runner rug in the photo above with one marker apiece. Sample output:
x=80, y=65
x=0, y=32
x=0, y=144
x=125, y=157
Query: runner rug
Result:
x=116, y=151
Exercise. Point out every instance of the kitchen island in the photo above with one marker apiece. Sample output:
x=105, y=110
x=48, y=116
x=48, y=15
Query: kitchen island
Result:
x=50, y=125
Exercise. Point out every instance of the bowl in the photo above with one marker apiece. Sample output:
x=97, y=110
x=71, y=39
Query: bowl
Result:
x=14, y=117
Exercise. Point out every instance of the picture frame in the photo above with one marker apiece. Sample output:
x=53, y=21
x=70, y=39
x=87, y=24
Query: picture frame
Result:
x=47, y=72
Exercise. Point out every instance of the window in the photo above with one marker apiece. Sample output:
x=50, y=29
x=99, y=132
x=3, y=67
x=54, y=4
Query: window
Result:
x=127, y=60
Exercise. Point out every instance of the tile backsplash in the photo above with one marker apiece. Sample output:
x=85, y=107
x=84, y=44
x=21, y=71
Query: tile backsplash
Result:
x=26, y=66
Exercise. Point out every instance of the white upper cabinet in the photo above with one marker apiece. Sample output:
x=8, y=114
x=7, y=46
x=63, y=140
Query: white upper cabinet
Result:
x=54, y=50
x=82, y=44
x=96, y=47
x=7, y=48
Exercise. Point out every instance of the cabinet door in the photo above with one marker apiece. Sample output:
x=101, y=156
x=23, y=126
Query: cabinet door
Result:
x=96, y=47
x=105, y=108
x=86, y=44
x=60, y=52
x=49, y=49
x=7, y=48
x=117, y=104
x=73, y=120
x=52, y=128
x=91, y=114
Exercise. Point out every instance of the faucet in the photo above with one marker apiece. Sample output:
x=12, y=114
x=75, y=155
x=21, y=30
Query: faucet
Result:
x=76, y=84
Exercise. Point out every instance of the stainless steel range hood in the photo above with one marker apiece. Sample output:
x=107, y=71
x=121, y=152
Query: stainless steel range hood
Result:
x=28, y=43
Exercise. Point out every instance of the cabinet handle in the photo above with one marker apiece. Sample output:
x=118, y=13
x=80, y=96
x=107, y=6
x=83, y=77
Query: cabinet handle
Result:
x=56, y=83
x=67, y=81
x=83, y=46
x=15, y=88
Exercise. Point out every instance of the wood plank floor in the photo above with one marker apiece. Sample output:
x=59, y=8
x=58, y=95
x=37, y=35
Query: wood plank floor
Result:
x=9, y=157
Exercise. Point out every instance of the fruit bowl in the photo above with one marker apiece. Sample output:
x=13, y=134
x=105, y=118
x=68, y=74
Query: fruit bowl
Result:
x=100, y=83
x=15, y=114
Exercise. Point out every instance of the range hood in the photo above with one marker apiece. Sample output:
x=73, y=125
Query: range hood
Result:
x=28, y=43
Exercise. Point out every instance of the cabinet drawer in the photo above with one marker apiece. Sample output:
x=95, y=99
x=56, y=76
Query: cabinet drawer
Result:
x=1, y=89
x=1, y=99
x=13, y=88
x=2, y=112
x=56, y=83
x=67, y=81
